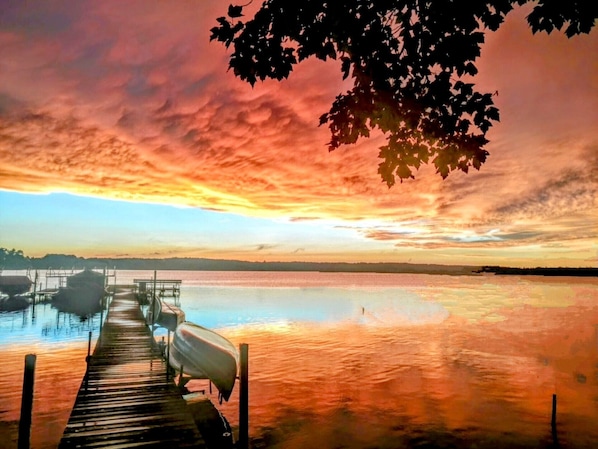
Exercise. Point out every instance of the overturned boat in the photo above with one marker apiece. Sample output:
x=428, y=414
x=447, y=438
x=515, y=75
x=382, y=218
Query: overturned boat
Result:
x=153, y=311
x=204, y=354
x=83, y=293
x=169, y=316
x=14, y=303
x=15, y=285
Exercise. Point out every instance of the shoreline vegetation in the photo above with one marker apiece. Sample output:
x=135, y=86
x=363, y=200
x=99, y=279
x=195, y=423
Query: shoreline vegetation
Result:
x=16, y=260
x=542, y=271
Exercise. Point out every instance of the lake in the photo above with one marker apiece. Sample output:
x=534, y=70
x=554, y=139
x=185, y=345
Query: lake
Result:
x=358, y=360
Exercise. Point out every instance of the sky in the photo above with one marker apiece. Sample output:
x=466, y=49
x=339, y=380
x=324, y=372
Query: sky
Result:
x=122, y=134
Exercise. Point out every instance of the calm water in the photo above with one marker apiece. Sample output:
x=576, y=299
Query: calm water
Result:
x=359, y=360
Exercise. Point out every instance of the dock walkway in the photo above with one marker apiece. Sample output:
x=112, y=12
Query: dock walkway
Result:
x=126, y=399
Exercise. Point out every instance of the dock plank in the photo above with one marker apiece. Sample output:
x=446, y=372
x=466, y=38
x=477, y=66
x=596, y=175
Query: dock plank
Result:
x=126, y=399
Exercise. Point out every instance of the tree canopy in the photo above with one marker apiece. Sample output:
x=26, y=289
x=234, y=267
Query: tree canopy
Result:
x=13, y=258
x=409, y=60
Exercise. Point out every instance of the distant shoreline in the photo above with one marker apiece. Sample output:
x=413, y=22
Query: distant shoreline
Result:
x=541, y=271
x=68, y=262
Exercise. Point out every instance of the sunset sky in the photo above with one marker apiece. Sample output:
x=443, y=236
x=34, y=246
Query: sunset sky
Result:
x=122, y=134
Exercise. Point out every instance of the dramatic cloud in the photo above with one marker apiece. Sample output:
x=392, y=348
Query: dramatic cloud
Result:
x=135, y=103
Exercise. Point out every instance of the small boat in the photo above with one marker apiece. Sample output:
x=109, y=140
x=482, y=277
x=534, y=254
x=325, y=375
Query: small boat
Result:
x=153, y=311
x=83, y=293
x=14, y=303
x=170, y=316
x=14, y=285
x=204, y=354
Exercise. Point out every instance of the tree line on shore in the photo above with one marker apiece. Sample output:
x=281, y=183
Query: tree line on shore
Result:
x=16, y=260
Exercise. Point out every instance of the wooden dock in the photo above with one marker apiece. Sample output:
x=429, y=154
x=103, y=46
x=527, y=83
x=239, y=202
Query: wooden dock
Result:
x=126, y=399
x=160, y=287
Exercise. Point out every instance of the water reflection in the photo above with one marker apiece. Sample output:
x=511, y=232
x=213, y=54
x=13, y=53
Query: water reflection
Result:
x=14, y=320
x=14, y=303
x=220, y=307
x=60, y=341
x=428, y=385
x=58, y=374
x=376, y=360
x=458, y=363
x=43, y=322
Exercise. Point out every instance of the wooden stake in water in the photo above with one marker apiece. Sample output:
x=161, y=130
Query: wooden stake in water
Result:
x=555, y=437
x=553, y=421
x=244, y=397
x=27, y=402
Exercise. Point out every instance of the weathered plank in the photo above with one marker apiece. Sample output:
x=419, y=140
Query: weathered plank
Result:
x=126, y=399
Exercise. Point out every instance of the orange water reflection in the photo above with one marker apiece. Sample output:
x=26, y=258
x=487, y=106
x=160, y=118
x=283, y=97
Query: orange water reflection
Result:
x=58, y=375
x=454, y=369
x=462, y=382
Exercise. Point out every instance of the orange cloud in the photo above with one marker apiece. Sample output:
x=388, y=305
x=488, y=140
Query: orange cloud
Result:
x=137, y=104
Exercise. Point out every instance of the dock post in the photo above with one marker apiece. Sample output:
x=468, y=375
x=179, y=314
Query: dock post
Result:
x=553, y=420
x=88, y=349
x=555, y=436
x=27, y=402
x=168, y=349
x=87, y=360
x=153, y=303
x=34, y=290
x=103, y=302
x=244, y=397
x=168, y=357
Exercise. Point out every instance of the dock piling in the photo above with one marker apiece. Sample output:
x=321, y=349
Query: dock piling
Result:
x=553, y=420
x=167, y=357
x=87, y=360
x=88, y=349
x=153, y=302
x=27, y=402
x=555, y=436
x=103, y=302
x=244, y=397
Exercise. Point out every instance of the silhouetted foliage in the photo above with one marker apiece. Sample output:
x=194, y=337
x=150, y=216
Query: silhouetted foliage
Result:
x=67, y=261
x=409, y=61
x=15, y=259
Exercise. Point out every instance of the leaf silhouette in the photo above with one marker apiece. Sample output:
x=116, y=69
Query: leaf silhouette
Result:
x=235, y=11
x=408, y=62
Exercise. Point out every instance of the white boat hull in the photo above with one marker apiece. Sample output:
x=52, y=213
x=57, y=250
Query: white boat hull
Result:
x=170, y=316
x=204, y=354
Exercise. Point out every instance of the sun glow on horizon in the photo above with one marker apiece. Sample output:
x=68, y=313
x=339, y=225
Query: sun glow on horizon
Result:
x=86, y=227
